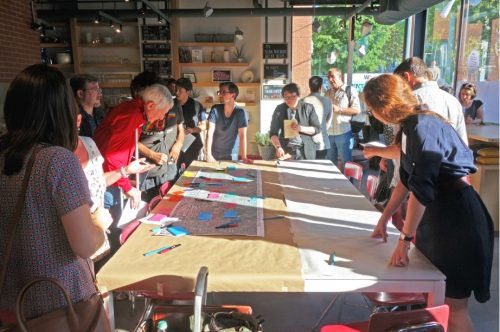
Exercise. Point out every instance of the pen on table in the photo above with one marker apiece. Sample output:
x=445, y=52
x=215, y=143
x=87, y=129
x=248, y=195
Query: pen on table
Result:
x=152, y=252
x=169, y=248
x=275, y=217
x=227, y=226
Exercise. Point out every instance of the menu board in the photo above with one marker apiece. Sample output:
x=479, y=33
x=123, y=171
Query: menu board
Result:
x=275, y=51
x=162, y=67
x=156, y=32
x=156, y=50
x=272, y=91
x=275, y=71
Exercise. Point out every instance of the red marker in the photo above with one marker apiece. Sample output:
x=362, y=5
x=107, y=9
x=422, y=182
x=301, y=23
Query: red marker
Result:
x=169, y=248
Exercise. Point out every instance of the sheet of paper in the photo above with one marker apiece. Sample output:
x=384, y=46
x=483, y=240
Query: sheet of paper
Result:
x=289, y=131
x=188, y=140
x=129, y=214
x=374, y=144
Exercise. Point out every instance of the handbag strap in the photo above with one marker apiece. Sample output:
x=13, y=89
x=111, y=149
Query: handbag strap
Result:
x=17, y=214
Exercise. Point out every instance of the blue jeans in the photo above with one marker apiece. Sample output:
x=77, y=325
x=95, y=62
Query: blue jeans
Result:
x=340, y=145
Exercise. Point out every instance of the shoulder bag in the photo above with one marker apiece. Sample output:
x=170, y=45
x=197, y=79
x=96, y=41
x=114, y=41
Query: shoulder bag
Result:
x=87, y=315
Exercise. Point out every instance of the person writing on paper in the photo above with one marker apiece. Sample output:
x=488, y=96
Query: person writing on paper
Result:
x=116, y=136
x=472, y=109
x=195, y=121
x=452, y=226
x=55, y=233
x=226, y=122
x=303, y=122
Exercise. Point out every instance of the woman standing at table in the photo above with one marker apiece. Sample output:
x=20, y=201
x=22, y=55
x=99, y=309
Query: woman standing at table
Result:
x=452, y=226
x=55, y=234
x=473, y=109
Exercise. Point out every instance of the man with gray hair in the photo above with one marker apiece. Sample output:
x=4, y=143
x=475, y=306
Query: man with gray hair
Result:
x=116, y=136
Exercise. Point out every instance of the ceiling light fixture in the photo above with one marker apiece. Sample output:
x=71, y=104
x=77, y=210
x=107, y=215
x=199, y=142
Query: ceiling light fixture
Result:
x=142, y=11
x=96, y=19
x=207, y=10
x=238, y=34
x=366, y=28
x=119, y=28
x=114, y=23
x=160, y=20
x=111, y=24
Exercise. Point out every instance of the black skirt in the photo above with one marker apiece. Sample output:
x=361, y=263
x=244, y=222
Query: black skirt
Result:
x=456, y=235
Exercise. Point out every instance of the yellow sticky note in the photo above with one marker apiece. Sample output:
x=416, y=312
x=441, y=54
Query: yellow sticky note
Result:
x=188, y=174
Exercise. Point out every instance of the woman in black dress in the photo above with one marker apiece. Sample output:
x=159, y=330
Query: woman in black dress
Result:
x=473, y=108
x=450, y=222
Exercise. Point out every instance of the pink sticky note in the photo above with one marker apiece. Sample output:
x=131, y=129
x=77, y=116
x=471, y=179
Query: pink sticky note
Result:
x=157, y=217
x=229, y=205
x=213, y=195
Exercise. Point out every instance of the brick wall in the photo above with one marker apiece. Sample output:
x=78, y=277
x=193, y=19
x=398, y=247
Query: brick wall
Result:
x=301, y=52
x=19, y=45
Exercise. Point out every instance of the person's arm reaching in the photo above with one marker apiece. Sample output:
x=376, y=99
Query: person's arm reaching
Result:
x=389, y=152
x=242, y=133
x=177, y=146
x=210, y=137
x=158, y=157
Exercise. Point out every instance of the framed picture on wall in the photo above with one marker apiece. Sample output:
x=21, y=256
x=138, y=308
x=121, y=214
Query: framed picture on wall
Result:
x=221, y=75
x=197, y=55
x=191, y=76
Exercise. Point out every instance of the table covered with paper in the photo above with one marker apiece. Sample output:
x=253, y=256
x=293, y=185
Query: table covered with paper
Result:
x=316, y=238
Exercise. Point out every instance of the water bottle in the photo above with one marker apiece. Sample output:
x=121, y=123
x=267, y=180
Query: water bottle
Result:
x=162, y=326
x=43, y=55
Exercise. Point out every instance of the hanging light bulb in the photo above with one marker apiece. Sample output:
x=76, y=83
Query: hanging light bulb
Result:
x=238, y=34
x=96, y=19
x=316, y=25
x=207, y=10
x=119, y=28
x=160, y=20
x=142, y=11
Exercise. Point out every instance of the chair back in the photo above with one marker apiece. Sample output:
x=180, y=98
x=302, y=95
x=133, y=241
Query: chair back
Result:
x=428, y=319
x=354, y=171
x=371, y=186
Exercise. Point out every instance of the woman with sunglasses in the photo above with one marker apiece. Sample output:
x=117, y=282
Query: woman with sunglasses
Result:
x=473, y=109
x=452, y=226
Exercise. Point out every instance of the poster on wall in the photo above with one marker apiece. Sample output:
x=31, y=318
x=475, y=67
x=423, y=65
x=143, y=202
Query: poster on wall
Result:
x=220, y=75
x=275, y=51
x=276, y=71
x=272, y=91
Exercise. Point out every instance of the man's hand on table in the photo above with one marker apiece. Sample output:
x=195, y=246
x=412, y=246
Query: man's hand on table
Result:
x=134, y=195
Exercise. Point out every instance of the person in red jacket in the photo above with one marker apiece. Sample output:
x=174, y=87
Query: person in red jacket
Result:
x=116, y=138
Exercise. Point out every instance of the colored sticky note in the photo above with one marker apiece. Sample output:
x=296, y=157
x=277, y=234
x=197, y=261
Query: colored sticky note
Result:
x=188, y=174
x=229, y=205
x=231, y=168
x=231, y=214
x=177, y=231
x=205, y=216
x=157, y=217
x=175, y=198
x=230, y=194
x=213, y=195
x=240, y=179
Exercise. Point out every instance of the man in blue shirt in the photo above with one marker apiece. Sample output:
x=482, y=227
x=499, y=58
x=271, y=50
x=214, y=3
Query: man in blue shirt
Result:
x=88, y=96
x=226, y=122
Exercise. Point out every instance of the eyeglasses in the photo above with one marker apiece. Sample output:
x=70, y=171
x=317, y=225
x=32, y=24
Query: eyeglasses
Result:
x=96, y=90
x=222, y=92
x=291, y=97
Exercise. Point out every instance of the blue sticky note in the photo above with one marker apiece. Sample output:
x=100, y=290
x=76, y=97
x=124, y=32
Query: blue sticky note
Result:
x=205, y=216
x=231, y=214
x=177, y=231
x=230, y=194
x=231, y=168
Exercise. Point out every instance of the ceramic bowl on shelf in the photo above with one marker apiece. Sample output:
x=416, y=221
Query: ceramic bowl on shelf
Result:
x=247, y=76
x=63, y=58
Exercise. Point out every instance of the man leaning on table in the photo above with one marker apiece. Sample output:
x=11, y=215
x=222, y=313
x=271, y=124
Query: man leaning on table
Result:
x=116, y=137
x=306, y=124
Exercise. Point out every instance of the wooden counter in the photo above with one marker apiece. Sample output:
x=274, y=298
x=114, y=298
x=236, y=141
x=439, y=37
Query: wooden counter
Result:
x=485, y=180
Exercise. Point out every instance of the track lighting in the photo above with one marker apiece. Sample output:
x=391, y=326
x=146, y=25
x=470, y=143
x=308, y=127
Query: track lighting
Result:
x=111, y=24
x=142, y=11
x=238, y=34
x=114, y=23
x=207, y=10
x=160, y=20
x=96, y=19
x=119, y=28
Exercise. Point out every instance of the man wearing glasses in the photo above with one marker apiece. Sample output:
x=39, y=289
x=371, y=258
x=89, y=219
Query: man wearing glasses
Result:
x=306, y=123
x=88, y=96
x=226, y=123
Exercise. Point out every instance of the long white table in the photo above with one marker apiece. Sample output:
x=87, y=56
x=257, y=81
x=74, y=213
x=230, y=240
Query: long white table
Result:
x=325, y=214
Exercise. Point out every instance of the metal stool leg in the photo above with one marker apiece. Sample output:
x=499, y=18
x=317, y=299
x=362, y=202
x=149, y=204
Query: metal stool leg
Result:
x=323, y=314
x=148, y=309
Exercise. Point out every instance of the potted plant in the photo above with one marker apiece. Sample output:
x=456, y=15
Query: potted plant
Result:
x=266, y=149
x=238, y=54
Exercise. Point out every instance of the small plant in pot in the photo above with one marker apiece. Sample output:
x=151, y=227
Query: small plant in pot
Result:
x=265, y=146
x=238, y=54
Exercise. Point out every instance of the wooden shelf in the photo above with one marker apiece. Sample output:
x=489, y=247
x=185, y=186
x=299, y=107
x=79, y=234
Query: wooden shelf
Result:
x=54, y=45
x=207, y=44
x=111, y=85
x=214, y=64
x=104, y=25
x=239, y=103
x=110, y=45
x=156, y=41
x=111, y=65
x=216, y=84
x=157, y=58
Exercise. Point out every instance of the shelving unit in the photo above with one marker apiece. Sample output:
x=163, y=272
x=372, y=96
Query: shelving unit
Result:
x=156, y=49
x=214, y=64
x=57, y=41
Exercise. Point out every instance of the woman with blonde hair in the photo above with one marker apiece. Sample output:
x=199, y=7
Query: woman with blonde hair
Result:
x=450, y=222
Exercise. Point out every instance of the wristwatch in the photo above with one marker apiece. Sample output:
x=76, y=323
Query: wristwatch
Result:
x=406, y=238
